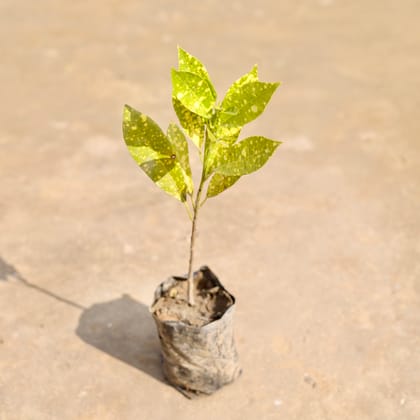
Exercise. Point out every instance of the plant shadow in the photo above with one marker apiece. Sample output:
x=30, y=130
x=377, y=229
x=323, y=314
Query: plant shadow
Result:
x=8, y=270
x=124, y=329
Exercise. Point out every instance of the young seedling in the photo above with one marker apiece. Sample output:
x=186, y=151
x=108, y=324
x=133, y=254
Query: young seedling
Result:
x=213, y=128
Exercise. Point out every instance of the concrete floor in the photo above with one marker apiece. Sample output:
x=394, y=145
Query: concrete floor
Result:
x=321, y=248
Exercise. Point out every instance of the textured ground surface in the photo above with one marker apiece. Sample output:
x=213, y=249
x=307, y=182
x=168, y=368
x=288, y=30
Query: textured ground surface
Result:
x=321, y=248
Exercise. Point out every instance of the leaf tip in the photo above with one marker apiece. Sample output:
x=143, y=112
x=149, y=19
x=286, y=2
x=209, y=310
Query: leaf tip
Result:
x=181, y=52
x=127, y=111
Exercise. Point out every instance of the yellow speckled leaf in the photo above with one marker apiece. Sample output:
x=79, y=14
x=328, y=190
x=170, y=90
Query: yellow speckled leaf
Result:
x=246, y=157
x=252, y=76
x=228, y=133
x=141, y=131
x=193, y=92
x=191, y=64
x=245, y=102
x=154, y=153
x=219, y=183
x=180, y=146
x=192, y=123
x=215, y=149
x=167, y=175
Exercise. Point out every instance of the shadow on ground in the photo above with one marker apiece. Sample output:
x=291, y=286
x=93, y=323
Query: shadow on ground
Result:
x=9, y=271
x=124, y=329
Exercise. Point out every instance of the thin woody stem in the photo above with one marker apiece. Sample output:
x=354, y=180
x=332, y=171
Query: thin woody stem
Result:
x=188, y=210
x=190, y=276
x=196, y=208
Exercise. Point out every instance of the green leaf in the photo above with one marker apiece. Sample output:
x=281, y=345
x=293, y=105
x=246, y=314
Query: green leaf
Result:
x=228, y=133
x=245, y=157
x=167, y=175
x=141, y=131
x=252, y=76
x=154, y=153
x=180, y=147
x=192, y=123
x=214, y=148
x=220, y=183
x=227, y=125
x=191, y=64
x=244, y=102
x=193, y=92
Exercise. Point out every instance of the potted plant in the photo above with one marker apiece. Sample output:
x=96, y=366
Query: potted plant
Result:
x=194, y=313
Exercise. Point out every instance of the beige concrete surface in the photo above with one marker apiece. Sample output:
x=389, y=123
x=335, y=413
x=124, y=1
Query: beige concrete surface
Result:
x=321, y=248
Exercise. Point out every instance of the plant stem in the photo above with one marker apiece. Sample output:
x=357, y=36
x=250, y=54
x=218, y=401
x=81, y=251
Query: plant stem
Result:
x=190, y=276
x=196, y=207
x=188, y=210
